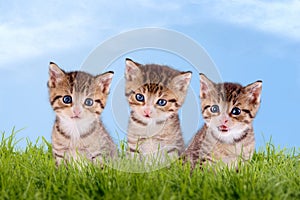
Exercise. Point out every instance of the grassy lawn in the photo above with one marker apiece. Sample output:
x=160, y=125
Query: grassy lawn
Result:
x=31, y=174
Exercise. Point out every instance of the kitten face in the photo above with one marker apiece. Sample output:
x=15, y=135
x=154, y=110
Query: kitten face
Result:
x=153, y=101
x=154, y=91
x=229, y=108
x=77, y=96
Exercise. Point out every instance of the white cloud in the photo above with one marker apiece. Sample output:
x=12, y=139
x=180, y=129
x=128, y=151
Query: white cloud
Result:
x=34, y=28
x=277, y=17
x=27, y=31
x=19, y=42
x=31, y=29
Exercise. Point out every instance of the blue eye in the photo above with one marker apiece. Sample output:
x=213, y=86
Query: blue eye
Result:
x=161, y=102
x=67, y=99
x=236, y=111
x=139, y=97
x=89, y=102
x=214, y=109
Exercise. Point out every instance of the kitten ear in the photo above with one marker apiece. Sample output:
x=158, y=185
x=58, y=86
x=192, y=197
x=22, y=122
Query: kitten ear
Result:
x=253, y=91
x=206, y=86
x=181, y=82
x=104, y=81
x=55, y=74
x=132, y=69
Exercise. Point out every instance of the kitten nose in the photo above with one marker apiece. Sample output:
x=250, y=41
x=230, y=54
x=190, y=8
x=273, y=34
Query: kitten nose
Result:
x=147, y=112
x=76, y=111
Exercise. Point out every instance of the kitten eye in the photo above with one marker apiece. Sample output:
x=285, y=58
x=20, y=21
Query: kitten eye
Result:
x=89, y=102
x=161, y=102
x=67, y=99
x=214, y=109
x=139, y=97
x=236, y=111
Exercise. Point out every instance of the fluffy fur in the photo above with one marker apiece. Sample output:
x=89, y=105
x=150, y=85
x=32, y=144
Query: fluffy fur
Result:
x=78, y=99
x=228, y=110
x=155, y=93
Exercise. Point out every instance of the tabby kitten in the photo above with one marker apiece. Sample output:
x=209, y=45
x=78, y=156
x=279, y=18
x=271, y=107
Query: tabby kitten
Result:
x=78, y=99
x=228, y=110
x=155, y=93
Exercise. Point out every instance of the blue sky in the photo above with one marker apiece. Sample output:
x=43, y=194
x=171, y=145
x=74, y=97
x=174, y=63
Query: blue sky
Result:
x=247, y=40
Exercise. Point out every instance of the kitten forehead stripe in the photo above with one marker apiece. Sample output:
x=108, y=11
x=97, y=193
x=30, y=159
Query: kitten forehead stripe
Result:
x=71, y=80
x=152, y=87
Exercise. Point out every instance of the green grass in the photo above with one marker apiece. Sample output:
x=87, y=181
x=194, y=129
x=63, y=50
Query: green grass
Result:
x=31, y=174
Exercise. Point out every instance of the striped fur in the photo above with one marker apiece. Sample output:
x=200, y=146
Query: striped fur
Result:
x=227, y=134
x=77, y=131
x=153, y=129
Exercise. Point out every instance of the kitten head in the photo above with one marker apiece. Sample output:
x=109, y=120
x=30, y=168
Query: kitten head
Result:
x=229, y=108
x=77, y=96
x=155, y=91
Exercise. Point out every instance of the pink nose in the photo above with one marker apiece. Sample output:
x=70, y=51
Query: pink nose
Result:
x=147, y=112
x=76, y=111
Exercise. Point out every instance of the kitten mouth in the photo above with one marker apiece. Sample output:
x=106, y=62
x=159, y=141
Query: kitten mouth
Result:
x=147, y=116
x=75, y=117
x=223, y=128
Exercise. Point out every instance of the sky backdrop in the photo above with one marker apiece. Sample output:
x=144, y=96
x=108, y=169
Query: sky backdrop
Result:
x=246, y=40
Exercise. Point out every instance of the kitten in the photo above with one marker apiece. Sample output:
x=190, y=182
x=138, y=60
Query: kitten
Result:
x=155, y=93
x=78, y=99
x=228, y=110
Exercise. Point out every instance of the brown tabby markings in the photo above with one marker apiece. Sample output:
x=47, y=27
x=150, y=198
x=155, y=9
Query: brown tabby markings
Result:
x=228, y=133
x=77, y=130
x=155, y=128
